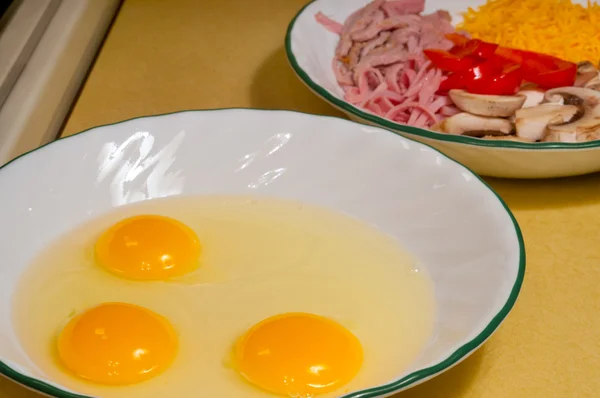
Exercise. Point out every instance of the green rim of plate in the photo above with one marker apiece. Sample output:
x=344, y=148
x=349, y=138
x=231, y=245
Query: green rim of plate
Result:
x=415, y=377
x=396, y=127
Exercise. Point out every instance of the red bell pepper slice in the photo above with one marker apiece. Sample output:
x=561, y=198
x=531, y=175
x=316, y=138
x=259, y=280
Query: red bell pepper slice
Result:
x=562, y=77
x=544, y=70
x=563, y=73
x=485, y=68
x=474, y=48
x=507, y=82
x=516, y=56
x=460, y=80
x=448, y=62
x=500, y=62
x=543, y=61
x=457, y=38
x=452, y=81
x=485, y=78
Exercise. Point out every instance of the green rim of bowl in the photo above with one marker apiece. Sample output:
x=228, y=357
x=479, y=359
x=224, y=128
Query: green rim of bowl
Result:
x=415, y=377
x=396, y=127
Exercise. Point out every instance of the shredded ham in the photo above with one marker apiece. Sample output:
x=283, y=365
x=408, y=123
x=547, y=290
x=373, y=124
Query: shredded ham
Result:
x=329, y=24
x=379, y=60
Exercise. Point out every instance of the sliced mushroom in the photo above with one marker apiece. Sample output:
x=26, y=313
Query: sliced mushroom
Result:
x=591, y=136
x=476, y=126
x=594, y=83
x=487, y=105
x=439, y=126
x=531, y=123
x=533, y=96
x=554, y=99
x=588, y=102
x=557, y=136
x=567, y=95
x=585, y=72
x=506, y=138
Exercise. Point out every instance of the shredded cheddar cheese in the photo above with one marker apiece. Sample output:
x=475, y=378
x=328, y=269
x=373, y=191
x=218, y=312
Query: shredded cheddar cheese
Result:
x=556, y=27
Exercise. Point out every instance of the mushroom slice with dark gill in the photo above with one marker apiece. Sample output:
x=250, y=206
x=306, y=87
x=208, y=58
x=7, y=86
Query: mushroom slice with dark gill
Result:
x=475, y=126
x=531, y=123
x=487, y=105
x=587, y=121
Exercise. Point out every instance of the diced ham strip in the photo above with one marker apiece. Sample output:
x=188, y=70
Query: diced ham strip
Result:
x=329, y=24
x=374, y=43
x=402, y=7
x=345, y=42
x=342, y=74
x=379, y=60
x=366, y=16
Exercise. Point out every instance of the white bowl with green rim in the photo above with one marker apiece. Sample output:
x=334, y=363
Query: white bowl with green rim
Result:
x=454, y=223
x=310, y=50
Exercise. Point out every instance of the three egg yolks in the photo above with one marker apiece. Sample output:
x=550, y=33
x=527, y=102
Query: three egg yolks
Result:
x=117, y=344
x=294, y=354
x=148, y=247
x=298, y=354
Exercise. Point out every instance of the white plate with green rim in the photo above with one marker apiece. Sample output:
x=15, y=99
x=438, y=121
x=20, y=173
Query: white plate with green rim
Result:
x=443, y=213
x=310, y=49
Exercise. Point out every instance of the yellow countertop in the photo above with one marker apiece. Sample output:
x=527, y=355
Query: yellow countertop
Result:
x=163, y=56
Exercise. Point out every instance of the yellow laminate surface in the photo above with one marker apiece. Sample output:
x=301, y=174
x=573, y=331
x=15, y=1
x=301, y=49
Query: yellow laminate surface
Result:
x=163, y=56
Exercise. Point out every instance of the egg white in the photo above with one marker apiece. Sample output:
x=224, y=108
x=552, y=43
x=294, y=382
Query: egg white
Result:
x=260, y=257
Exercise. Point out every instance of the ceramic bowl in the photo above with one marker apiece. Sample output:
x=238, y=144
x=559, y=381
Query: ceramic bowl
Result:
x=444, y=214
x=310, y=49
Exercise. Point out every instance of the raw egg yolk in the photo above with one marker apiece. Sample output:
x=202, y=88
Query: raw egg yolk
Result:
x=298, y=354
x=148, y=247
x=117, y=344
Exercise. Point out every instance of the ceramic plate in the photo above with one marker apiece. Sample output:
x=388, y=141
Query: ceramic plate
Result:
x=310, y=49
x=442, y=212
